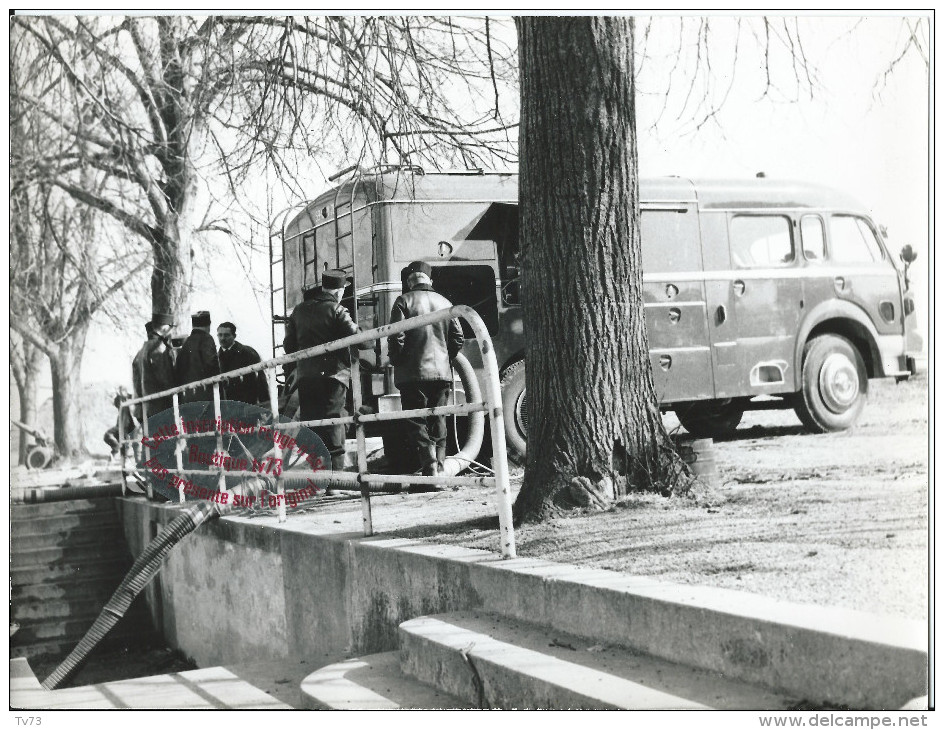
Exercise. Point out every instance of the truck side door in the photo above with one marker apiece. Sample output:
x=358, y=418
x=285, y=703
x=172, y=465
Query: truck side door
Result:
x=674, y=301
x=767, y=295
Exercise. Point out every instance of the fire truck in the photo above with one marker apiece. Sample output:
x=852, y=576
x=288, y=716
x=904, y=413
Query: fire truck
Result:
x=758, y=293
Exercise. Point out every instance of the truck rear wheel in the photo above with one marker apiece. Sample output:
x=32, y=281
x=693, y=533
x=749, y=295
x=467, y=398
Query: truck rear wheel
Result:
x=710, y=418
x=514, y=399
x=835, y=385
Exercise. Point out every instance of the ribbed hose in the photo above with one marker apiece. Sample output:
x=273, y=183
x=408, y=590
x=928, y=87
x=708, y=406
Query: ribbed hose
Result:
x=142, y=572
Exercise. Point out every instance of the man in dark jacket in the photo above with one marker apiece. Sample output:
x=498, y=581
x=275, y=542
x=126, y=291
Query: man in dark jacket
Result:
x=323, y=381
x=233, y=355
x=153, y=366
x=421, y=360
x=197, y=359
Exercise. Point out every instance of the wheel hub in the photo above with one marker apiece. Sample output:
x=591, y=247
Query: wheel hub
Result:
x=838, y=382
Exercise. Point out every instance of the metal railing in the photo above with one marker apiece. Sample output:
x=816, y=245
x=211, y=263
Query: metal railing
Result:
x=363, y=479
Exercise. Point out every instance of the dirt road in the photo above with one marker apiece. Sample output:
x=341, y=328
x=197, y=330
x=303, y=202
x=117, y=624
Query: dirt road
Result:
x=834, y=519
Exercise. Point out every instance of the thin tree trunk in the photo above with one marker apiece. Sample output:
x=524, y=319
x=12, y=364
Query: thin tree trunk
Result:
x=25, y=369
x=595, y=430
x=66, y=366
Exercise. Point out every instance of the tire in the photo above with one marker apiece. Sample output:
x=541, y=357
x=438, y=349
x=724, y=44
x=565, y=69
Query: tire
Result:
x=710, y=418
x=513, y=410
x=835, y=385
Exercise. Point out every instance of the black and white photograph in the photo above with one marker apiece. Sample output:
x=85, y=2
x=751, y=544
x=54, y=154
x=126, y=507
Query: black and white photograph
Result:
x=438, y=360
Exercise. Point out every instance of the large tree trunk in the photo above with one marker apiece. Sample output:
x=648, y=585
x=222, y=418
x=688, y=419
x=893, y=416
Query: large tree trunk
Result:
x=594, y=426
x=66, y=366
x=172, y=277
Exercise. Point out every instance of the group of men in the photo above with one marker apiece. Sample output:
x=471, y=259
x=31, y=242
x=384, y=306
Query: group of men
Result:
x=158, y=366
x=421, y=359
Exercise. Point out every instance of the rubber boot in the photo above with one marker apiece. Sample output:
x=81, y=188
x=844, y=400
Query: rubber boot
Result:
x=440, y=459
x=427, y=456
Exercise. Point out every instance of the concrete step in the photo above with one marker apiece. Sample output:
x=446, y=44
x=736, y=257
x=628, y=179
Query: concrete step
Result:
x=67, y=589
x=495, y=662
x=60, y=648
x=69, y=633
x=59, y=523
x=75, y=555
x=197, y=689
x=73, y=629
x=70, y=507
x=108, y=533
x=110, y=569
x=29, y=610
x=372, y=682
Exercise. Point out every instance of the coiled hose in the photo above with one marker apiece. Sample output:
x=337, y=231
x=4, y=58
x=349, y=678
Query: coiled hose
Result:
x=142, y=572
x=476, y=433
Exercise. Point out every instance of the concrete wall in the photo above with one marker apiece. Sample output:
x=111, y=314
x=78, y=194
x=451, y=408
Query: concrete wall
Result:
x=240, y=590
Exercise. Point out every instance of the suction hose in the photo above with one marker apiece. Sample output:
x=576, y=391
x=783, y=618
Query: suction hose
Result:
x=473, y=442
x=144, y=569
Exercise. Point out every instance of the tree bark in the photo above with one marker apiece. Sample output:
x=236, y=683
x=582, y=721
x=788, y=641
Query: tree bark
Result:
x=66, y=366
x=595, y=430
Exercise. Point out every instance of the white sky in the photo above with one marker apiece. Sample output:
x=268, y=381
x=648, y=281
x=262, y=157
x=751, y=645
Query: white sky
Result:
x=873, y=148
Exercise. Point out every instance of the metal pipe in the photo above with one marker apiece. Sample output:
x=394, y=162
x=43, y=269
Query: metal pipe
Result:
x=40, y=495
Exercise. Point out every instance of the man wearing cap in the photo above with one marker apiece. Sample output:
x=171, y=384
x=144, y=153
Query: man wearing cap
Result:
x=323, y=381
x=197, y=359
x=153, y=366
x=250, y=389
x=421, y=360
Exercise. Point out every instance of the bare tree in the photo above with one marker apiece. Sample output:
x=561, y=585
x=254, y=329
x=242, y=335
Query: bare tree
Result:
x=160, y=105
x=65, y=267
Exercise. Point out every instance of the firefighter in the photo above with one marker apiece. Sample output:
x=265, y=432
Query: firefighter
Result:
x=323, y=381
x=197, y=359
x=422, y=364
x=153, y=367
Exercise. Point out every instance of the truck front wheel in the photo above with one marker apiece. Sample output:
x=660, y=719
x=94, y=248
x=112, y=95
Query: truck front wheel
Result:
x=835, y=385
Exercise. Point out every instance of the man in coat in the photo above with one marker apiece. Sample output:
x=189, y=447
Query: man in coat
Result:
x=422, y=364
x=323, y=381
x=197, y=359
x=153, y=367
x=233, y=355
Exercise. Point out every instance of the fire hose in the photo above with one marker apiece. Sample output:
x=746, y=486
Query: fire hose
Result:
x=151, y=559
x=144, y=569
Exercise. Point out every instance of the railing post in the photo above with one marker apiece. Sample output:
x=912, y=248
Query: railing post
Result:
x=218, y=422
x=147, y=449
x=179, y=445
x=497, y=428
x=121, y=447
x=361, y=445
x=274, y=407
